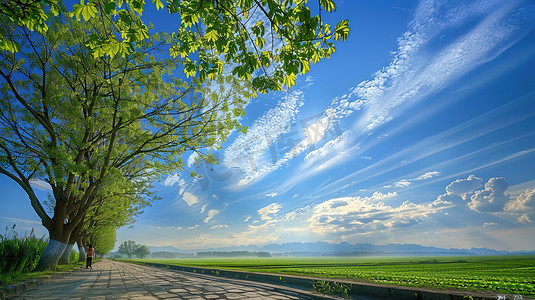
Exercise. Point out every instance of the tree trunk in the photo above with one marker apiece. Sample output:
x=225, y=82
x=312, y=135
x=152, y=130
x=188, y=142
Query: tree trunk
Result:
x=51, y=256
x=64, y=258
x=81, y=250
x=59, y=235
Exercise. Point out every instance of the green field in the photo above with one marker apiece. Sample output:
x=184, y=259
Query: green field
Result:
x=503, y=274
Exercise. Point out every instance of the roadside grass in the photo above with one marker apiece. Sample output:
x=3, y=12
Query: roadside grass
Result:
x=19, y=255
x=502, y=274
x=10, y=278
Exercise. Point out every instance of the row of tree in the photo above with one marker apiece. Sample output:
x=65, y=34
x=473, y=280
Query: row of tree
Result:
x=92, y=103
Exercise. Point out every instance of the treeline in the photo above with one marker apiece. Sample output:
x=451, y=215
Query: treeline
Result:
x=232, y=254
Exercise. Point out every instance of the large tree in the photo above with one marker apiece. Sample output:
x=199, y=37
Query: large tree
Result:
x=82, y=124
x=210, y=35
x=83, y=114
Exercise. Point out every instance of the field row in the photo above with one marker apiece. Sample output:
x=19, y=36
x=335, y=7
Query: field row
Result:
x=504, y=274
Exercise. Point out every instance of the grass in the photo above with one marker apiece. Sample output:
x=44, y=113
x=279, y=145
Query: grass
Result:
x=20, y=254
x=10, y=278
x=503, y=274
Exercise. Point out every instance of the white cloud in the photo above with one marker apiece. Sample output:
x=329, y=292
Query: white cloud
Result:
x=273, y=194
x=171, y=180
x=219, y=226
x=191, y=159
x=427, y=175
x=464, y=187
x=349, y=215
x=492, y=198
x=40, y=184
x=194, y=227
x=487, y=224
x=189, y=198
x=211, y=213
x=523, y=202
x=418, y=70
x=246, y=151
x=30, y=222
x=266, y=212
x=524, y=219
x=315, y=132
x=203, y=208
x=407, y=182
x=247, y=219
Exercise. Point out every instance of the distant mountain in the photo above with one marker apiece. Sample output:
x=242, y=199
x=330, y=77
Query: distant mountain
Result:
x=344, y=248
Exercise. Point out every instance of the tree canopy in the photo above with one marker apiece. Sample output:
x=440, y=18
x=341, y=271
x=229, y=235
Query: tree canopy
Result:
x=90, y=105
x=266, y=41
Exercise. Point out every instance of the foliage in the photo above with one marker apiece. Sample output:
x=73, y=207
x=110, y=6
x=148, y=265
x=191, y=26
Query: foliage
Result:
x=8, y=278
x=101, y=130
x=103, y=239
x=142, y=251
x=131, y=248
x=127, y=248
x=20, y=254
x=278, y=39
x=73, y=257
x=331, y=288
x=501, y=274
x=93, y=108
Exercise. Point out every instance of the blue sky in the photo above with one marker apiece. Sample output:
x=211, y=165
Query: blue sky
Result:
x=419, y=129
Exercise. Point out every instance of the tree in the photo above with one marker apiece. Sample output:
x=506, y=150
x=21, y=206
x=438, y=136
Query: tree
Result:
x=128, y=248
x=142, y=251
x=211, y=35
x=86, y=121
x=85, y=124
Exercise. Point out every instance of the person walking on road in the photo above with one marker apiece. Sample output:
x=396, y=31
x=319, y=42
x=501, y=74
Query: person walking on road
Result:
x=89, y=253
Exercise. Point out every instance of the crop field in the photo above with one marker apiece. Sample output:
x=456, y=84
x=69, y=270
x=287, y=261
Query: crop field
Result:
x=503, y=274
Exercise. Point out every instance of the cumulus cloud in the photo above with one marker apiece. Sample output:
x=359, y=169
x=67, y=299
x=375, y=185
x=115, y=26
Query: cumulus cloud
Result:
x=492, y=198
x=365, y=214
x=211, y=213
x=523, y=202
x=266, y=212
x=219, y=226
x=189, y=198
x=464, y=187
x=247, y=219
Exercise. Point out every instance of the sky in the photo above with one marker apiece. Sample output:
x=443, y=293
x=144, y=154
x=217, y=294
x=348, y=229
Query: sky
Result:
x=420, y=129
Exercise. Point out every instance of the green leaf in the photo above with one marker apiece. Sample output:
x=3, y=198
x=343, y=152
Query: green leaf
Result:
x=329, y=5
x=341, y=30
x=159, y=4
x=260, y=42
x=109, y=8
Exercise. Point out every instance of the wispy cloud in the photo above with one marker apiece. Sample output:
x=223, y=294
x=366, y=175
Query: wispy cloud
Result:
x=16, y=220
x=417, y=70
x=247, y=152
